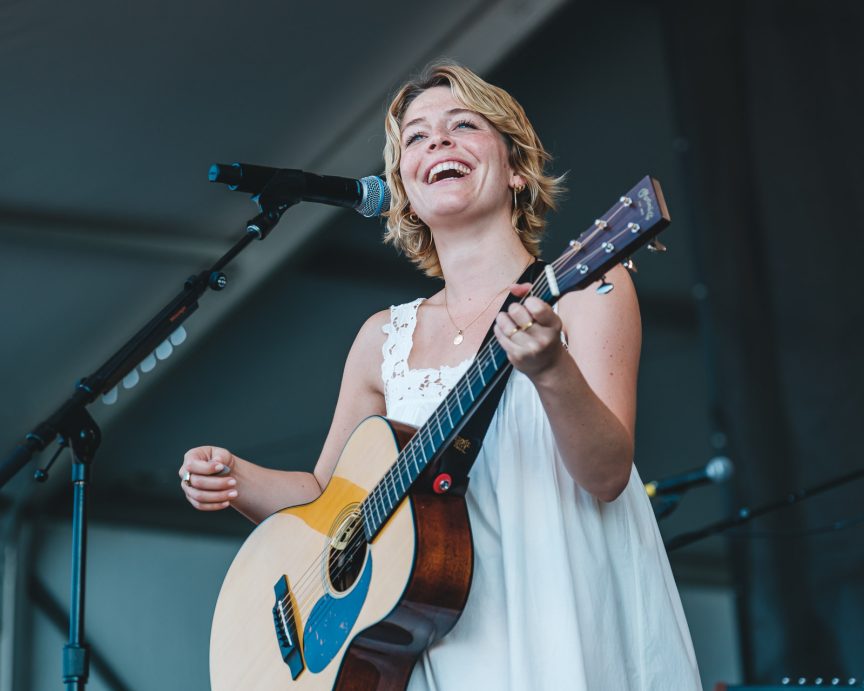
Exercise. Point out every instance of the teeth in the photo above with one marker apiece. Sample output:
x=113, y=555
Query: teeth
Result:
x=447, y=165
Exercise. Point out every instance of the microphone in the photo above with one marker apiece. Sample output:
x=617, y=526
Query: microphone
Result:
x=370, y=196
x=717, y=470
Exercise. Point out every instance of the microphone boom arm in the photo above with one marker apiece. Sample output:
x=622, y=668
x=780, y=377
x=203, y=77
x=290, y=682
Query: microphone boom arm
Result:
x=64, y=419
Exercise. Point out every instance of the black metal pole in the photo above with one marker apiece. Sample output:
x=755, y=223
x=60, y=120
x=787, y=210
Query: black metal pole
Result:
x=76, y=654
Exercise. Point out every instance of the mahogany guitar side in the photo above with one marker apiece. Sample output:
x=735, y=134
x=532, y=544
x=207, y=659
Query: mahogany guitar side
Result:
x=410, y=590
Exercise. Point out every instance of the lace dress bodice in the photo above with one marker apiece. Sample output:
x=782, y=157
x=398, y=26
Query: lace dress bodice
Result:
x=404, y=386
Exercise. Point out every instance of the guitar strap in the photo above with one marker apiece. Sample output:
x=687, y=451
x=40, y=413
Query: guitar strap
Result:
x=456, y=461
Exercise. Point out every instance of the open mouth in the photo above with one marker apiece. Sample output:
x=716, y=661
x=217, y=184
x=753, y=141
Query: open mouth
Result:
x=447, y=170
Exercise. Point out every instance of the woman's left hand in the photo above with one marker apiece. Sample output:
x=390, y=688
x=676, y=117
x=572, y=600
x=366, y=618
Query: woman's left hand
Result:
x=530, y=334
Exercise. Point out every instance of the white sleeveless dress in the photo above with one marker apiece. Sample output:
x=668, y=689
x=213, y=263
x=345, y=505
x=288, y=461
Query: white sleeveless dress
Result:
x=568, y=592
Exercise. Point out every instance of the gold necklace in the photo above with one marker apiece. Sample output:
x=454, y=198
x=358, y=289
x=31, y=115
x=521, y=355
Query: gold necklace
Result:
x=460, y=333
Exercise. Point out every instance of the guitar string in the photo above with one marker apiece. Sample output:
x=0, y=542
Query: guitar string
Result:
x=302, y=591
x=358, y=543
x=347, y=558
x=541, y=284
x=388, y=480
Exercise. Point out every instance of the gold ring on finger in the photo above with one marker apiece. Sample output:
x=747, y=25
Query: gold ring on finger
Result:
x=525, y=327
x=187, y=478
x=513, y=333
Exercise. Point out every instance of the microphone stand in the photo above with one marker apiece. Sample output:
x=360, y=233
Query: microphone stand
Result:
x=746, y=514
x=71, y=425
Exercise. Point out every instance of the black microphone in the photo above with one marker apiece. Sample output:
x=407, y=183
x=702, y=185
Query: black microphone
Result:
x=717, y=470
x=370, y=196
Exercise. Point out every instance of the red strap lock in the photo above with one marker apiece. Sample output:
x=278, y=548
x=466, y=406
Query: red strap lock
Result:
x=442, y=483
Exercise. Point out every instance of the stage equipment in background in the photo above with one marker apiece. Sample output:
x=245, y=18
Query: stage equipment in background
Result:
x=668, y=490
x=717, y=470
x=319, y=614
x=369, y=196
x=73, y=427
x=745, y=514
x=787, y=683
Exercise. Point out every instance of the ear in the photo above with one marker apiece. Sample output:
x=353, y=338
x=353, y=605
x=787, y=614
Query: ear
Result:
x=517, y=182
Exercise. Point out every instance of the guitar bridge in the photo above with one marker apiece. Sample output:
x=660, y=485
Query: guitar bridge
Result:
x=285, y=621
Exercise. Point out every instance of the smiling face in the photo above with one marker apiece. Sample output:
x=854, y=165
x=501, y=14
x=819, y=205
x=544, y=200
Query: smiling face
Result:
x=454, y=163
x=451, y=99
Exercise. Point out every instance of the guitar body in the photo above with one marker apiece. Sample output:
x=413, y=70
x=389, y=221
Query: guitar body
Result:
x=351, y=614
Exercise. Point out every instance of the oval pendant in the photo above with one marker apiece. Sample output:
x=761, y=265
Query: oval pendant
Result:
x=458, y=338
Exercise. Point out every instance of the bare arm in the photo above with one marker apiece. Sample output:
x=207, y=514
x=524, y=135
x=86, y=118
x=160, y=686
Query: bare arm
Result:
x=257, y=492
x=589, y=393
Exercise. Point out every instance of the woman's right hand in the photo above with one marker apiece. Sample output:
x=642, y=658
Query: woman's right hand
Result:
x=205, y=478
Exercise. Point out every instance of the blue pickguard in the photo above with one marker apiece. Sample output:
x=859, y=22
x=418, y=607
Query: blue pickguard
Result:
x=331, y=620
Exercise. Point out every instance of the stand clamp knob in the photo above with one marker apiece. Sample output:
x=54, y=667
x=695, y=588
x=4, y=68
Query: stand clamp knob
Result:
x=217, y=280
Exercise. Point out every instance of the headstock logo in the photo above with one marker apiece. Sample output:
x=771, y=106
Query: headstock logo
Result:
x=647, y=205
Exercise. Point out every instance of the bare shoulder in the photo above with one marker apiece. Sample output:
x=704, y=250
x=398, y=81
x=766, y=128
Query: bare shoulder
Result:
x=587, y=314
x=366, y=353
x=604, y=336
x=372, y=332
x=361, y=393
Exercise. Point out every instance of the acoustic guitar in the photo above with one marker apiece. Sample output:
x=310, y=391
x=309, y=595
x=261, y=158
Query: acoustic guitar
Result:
x=345, y=592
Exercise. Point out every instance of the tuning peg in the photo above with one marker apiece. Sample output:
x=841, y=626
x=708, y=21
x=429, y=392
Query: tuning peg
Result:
x=656, y=246
x=604, y=287
x=630, y=265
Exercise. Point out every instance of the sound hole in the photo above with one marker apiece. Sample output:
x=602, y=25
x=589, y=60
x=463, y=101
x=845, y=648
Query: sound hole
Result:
x=347, y=553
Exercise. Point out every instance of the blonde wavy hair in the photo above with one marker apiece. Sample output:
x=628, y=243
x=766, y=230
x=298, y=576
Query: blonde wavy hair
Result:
x=527, y=157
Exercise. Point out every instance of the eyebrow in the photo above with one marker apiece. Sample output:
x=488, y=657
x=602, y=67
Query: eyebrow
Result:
x=452, y=111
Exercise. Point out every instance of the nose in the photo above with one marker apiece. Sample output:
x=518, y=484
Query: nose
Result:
x=439, y=139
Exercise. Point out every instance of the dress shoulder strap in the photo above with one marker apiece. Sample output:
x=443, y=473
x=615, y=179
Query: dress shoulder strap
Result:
x=400, y=339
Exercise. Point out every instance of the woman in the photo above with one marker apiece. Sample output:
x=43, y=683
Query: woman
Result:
x=571, y=587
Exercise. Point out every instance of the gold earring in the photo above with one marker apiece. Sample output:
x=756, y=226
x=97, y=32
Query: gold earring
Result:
x=517, y=189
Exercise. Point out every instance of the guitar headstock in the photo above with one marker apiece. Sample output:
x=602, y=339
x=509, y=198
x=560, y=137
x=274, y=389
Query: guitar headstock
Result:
x=635, y=220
